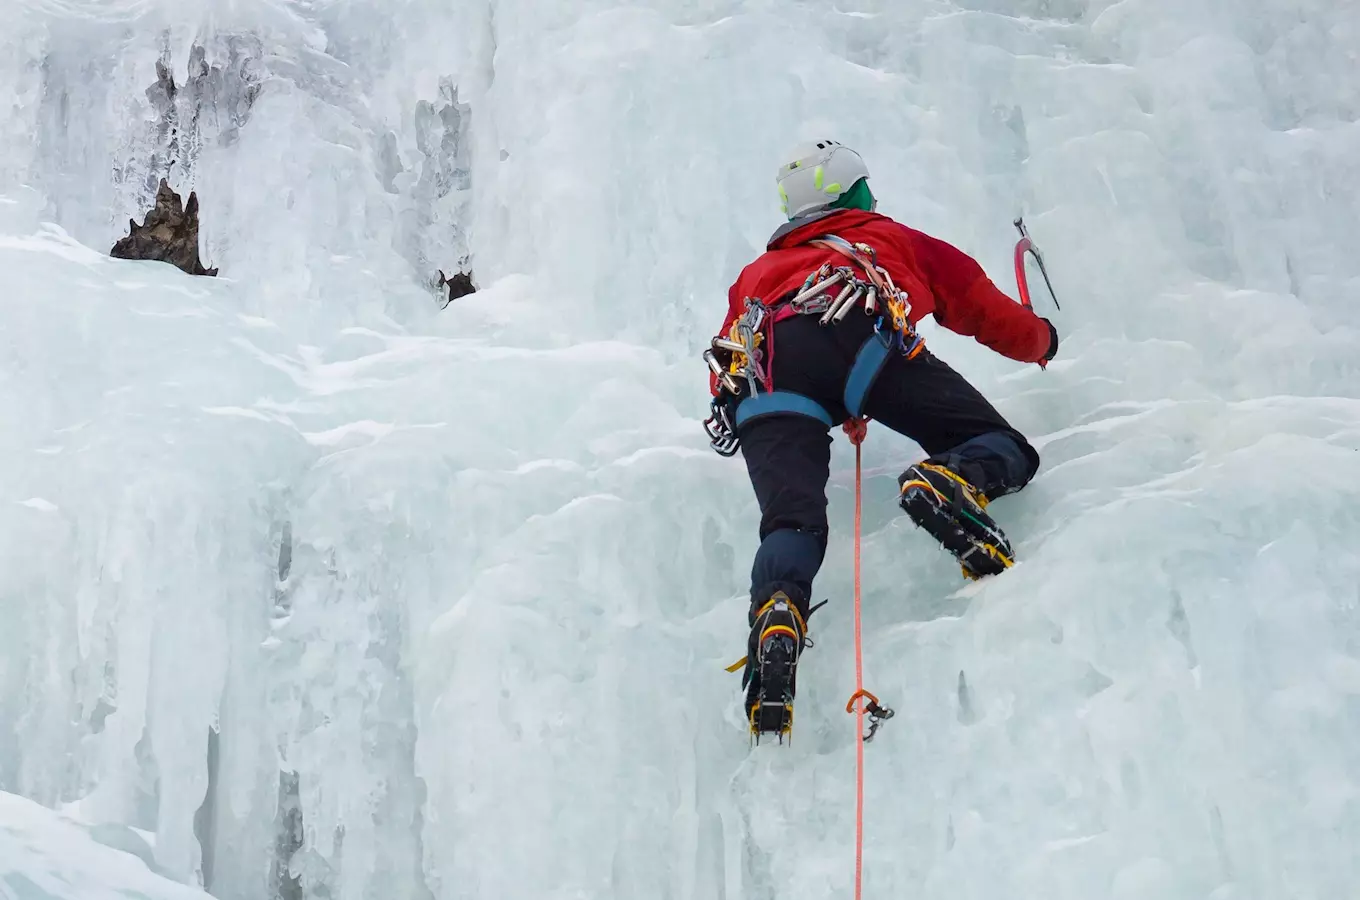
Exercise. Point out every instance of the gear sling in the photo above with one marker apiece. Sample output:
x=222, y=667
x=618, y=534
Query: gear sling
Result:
x=742, y=361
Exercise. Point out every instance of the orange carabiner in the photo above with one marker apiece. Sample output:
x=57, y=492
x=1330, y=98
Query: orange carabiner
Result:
x=850, y=707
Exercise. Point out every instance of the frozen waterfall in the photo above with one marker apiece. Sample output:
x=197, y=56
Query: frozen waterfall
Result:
x=336, y=594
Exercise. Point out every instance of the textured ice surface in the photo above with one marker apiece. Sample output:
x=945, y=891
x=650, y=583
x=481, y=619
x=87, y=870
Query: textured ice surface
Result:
x=451, y=592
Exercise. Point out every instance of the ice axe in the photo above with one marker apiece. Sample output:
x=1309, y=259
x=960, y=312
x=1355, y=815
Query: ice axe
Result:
x=1026, y=246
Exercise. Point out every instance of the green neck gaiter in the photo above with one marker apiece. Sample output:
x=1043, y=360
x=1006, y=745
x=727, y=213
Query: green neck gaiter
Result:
x=858, y=197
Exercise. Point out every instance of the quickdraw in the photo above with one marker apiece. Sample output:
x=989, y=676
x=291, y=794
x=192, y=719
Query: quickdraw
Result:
x=739, y=361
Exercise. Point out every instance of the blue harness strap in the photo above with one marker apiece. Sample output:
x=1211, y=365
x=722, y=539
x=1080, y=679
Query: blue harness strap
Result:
x=781, y=403
x=873, y=353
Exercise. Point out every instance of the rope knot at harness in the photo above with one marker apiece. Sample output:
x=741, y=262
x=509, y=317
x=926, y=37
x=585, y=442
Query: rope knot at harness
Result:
x=856, y=429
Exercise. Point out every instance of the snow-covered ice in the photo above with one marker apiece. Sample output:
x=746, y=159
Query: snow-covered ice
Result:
x=45, y=855
x=340, y=595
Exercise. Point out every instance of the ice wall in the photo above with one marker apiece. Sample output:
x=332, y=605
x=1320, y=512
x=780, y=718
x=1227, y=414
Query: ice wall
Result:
x=343, y=596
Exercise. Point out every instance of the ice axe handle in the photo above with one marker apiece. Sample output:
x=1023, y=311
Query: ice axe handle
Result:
x=1026, y=246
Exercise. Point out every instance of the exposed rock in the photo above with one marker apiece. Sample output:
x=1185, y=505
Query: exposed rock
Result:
x=460, y=285
x=169, y=233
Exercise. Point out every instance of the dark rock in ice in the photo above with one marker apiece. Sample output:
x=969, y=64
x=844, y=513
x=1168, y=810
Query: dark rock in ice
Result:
x=169, y=234
x=460, y=285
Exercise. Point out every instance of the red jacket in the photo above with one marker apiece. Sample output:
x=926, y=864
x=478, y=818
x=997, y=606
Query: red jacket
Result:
x=938, y=278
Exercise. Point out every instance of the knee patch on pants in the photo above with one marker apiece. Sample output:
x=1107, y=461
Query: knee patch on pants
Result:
x=996, y=463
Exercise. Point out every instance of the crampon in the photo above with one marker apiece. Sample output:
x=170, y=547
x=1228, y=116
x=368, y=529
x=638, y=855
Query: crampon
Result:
x=769, y=699
x=952, y=511
x=778, y=636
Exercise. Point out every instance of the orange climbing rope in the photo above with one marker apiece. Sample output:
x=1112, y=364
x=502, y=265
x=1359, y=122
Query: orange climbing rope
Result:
x=856, y=429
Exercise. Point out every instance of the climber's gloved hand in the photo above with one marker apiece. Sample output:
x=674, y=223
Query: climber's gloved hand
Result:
x=1052, y=341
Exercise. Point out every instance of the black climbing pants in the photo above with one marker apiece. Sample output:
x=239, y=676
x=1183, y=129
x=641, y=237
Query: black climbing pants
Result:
x=788, y=456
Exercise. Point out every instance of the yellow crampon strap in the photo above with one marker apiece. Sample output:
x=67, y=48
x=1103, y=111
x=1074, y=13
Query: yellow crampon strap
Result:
x=798, y=617
x=973, y=493
x=916, y=482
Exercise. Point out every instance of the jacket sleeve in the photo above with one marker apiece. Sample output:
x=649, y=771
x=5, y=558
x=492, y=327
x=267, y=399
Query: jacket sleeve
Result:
x=967, y=302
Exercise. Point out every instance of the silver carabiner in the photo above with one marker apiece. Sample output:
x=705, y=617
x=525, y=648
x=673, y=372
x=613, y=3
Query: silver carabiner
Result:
x=722, y=434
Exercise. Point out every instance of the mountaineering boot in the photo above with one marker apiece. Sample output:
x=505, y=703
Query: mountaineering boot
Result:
x=951, y=509
x=778, y=635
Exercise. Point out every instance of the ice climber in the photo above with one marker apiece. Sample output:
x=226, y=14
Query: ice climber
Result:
x=820, y=330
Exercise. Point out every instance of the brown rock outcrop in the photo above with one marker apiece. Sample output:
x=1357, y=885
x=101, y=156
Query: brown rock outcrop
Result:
x=168, y=234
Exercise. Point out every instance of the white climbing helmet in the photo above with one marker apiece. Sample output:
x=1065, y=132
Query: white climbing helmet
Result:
x=816, y=174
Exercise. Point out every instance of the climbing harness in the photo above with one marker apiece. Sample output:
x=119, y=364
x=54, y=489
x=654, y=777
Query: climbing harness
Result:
x=1025, y=247
x=740, y=361
x=856, y=429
